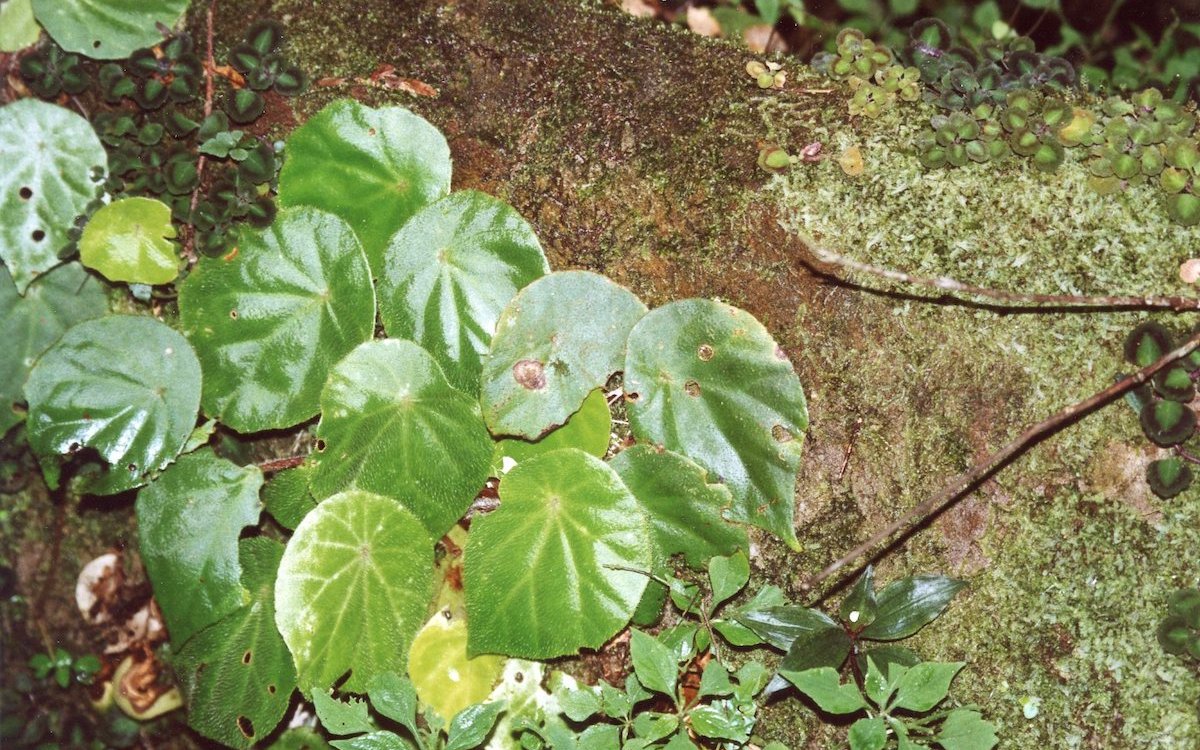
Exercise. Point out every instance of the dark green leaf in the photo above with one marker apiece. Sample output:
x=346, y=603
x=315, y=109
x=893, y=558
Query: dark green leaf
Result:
x=727, y=576
x=1168, y=477
x=780, y=626
x=286, y=496
x=826, y=647
x=909, y=604
x=651, y=726
x=714, y=681
x=1167, y=423
x=1147, y=343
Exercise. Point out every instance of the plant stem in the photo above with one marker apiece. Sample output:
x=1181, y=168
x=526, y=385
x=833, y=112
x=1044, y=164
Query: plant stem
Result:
x=963, y=484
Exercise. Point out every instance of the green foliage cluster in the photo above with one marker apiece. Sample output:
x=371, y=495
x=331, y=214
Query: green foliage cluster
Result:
x=1179, y=631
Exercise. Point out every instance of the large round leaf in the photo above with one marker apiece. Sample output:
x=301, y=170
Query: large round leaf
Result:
x=686, y=512
x=270, y=320
x=375, y=168
x=189, y=521
x=30, y=324
x=237, y=674
x=392, y=425
x=130, y=240
x=127, y=387
x=449, y=272
x=352, y=590
x=708, y=381
x=107, y=29
x=562, y=336
x=554, y=569
x=53, y=165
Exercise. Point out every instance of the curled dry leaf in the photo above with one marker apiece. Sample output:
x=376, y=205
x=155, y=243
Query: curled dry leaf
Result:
x=640, y=8
x=702, y=22
x=851, y=161
x=143, y=687
x=97, y=586
x=1189, y=270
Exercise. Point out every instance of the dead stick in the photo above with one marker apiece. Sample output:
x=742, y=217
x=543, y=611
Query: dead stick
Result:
x=982, y=470
x=279, y=464
x=945, y=283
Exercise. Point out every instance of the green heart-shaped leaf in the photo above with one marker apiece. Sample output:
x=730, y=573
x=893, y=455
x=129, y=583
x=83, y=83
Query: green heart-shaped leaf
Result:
x=553, y=570
x=53, y=166
x=29, y=325
x=392, y=425
x=269, y=320
x=588, y=429
x=707, y=380
x=375, y=168
x=189, y=520
x=107, y=30
x=449, y=272
x=685, y=511
x=126, y=386
x=352, y=590
x=130, y=240
x=237, y=674
x=559, y=338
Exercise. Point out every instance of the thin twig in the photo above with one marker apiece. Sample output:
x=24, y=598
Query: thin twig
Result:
x=279, y=464
x=209, y=66
x=967, y=481
x=945, y=283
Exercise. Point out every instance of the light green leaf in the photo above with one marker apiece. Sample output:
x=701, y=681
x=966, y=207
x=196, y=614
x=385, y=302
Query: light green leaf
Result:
x=237, y=674
x=286, y=496
x=300, y=738
x=18, y=29
x=723, y=721
x=352, y=590
x=680, y=742
x=727, y=576
x=127, y=387
x=341, y=717
x=449, y=272
x=876, y=684
x=549, y=572
x=600, y=737
x=650, y=726
x=189, y=520
x=925, y=685
x=395, y=697
x=685, y=511
x=375, y=168
x=559, y=338
x=715, y=680
x=107, y=29
x=446, y=679
x=868, y=733
x=374, y=741
x=707, y=380
x=588, y=429
x=653, y=663
x=53, y=166
x=130, y=240
x=966, y=730
x=751, y=677
x=269, y=320
x=29, y=325
x=826, y=690
x=578, y=703
x=472, y=725
x=392, y=425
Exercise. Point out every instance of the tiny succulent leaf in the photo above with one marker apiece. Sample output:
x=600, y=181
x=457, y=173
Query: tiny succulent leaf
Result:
x=825, y=688
x=449, y=272
x=1167, y=423
x=555, y=568
x=557, y=340
x=446, y=679
x=653, y=663
x=707, y=380
x=357, y=571
x=925, y=685
x=130, y=240
x=126, y=386
x=53, y=166
x=908, y=605
x=270, y=319
x=374, y=168
x=1168, y=477
x=390, y=399
x=1147, y=343
x=110, y=30
x=189, y=520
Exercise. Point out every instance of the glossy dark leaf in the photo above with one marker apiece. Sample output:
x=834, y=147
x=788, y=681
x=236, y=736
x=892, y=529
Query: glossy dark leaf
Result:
x=859, y=606
x=780, y=626
x=907, y=605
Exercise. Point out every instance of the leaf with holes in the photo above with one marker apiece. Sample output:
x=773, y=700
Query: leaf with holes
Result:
x=53, y=166
x=588, y=429
x=707, y=380
x=685, y=511
x=269, y=320
x=554, y=569
x=352, y=590
x=449, y=272
x=29, y=325
x=107, y=30
x=189, y=520
x=391, y=424
x=237, y=674
x=127, y=387
x=559, y=338
x=446, y=679
x=375, y=168
x=130, y=240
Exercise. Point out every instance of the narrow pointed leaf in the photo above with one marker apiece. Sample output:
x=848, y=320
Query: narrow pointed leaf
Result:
x=108, y=30
x=449, y=272
x=908, y=605
x=553, y=569
x=557, y=340
x=374, y=168
x=781, y=625
x=130, y=240
x=707, y=380
x=189, y=520
x=270, y=319
x=392, y=425
x=357, y=571
x=51, y=159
